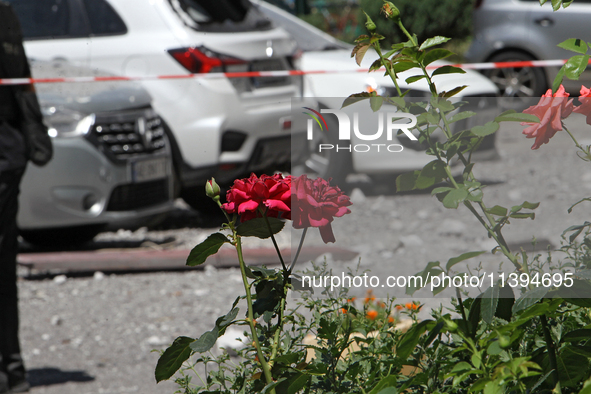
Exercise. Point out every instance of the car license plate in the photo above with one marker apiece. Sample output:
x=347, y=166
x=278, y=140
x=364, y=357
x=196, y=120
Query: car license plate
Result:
x=147, y=170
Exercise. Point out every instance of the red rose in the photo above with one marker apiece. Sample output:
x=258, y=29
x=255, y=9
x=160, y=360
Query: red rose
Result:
x=316, y=204
x=551, y=109
x=272, y=193
x=585, y=107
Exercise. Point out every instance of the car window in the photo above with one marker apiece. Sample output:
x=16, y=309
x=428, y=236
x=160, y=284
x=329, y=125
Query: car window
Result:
x=220, y=15
x=103, y=19
x=42, y=18
x=308, y=37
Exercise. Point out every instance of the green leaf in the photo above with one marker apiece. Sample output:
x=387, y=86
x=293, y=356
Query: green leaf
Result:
x=389, y=382
x=526, y=205
x=171, y=360
x=205, y=341
x=574, y=45
x=433, y=41
x=529, y=215
x=453, y=92
x=454, y=198
x=487, y=129
x=357, y=97
x=512, y=116
x=490, y=300
x=376, y=103
x=575, y=66
x=558, y=79
x=209, y=247
x=435, y=54
x=432, y=173
x=414, y=78
x=448, y=70
x=583, y=334
x=258, y=227
x=572, y=367
x=556, y=4
x=410, y=339
x=406, y=182
x=224, y=321
x=404, y=66
x=529, y=298
x=461, y=116
x=432, y=269
x=359, y=51
x=465, y=256
x=578, y=294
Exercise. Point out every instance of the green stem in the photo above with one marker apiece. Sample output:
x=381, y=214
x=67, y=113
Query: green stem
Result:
x=388, y=67
x=275, y=242
x=295, y=259
x=279, y=327
x=262, y=360
x=586, y=152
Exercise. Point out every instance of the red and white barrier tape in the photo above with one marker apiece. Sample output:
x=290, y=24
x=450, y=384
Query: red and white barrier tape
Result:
x=284, y=73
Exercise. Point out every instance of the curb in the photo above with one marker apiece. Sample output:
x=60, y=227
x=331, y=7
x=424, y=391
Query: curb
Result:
x=117, y=260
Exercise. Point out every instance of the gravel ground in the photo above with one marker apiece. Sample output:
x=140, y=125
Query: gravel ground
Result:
x=96, y=333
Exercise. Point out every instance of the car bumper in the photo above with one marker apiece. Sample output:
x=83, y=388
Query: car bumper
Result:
x=80, y=186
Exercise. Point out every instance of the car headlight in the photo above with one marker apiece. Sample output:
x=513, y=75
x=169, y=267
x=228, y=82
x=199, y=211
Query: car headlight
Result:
x=65, y=123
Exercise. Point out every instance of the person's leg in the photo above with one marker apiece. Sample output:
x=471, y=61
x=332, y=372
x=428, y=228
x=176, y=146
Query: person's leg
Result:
x=11, y=363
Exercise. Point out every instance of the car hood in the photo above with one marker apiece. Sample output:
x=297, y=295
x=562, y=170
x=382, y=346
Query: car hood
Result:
x=86, y=97
x=357, y=80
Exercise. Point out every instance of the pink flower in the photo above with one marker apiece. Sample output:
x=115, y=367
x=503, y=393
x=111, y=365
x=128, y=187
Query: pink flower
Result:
x=585, y=107
x=272, y=193
x=316, y=204
x=551, y=109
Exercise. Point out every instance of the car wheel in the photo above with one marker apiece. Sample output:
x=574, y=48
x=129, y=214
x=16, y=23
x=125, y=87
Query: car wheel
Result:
x=517, y=83
x=61, y=237
x=328, y=163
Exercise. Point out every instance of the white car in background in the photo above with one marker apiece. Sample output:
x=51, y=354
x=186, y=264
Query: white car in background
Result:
x=112, y=162
x=218, y=126
x=321, y=51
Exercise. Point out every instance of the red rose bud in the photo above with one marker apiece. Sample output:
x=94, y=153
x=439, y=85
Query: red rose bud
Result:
x=212, y=189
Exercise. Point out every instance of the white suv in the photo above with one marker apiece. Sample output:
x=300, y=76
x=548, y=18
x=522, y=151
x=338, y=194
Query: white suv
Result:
x=220, y=126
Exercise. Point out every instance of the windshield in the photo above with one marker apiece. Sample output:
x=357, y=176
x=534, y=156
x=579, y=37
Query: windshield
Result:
x=220, y=15
x=307, y=36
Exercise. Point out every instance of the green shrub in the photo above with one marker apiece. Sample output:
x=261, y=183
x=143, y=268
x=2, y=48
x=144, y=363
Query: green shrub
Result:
x=425, y=18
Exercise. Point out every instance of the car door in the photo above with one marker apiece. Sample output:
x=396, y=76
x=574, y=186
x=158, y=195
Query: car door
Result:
x=53, y=30
x=549, y=28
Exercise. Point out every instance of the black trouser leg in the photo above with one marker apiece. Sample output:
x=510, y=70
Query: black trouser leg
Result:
x=11, y=363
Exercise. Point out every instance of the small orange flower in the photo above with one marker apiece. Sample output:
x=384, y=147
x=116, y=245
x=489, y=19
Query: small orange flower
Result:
x=371, y=315
x=351, y=300
x=369, y=297
x=409, y=305
x=343, y=310
x=382, y=304
x=256, y=358
x=399, y=307
x=390, y=319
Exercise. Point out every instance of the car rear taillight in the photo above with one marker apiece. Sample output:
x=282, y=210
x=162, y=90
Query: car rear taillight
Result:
x=201, y=60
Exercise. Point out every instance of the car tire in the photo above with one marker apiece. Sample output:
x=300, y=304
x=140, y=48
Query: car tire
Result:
x=61, y=237
x=329, y=164
x=517, y=83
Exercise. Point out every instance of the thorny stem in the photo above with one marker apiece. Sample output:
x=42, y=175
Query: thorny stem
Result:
x=388, y=69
